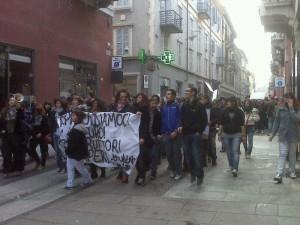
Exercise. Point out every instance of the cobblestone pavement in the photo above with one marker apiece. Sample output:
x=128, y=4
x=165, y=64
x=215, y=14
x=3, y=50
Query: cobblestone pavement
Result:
x=250, y=199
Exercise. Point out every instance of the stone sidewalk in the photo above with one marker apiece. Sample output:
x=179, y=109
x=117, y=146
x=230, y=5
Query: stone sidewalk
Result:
x=250, y=199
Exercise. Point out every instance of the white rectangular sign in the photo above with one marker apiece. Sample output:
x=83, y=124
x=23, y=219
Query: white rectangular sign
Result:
x=117, y=63
x=146, y=81
x=113, y=138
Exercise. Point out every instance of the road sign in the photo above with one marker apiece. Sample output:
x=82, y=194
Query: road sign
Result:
x=279, y=82
x=117, y=63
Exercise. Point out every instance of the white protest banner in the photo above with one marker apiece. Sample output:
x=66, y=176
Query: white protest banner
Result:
x=113, y=138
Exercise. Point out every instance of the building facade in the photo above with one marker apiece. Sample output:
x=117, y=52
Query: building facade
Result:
x=198, y=32
x=281, y=17
x=55, y=47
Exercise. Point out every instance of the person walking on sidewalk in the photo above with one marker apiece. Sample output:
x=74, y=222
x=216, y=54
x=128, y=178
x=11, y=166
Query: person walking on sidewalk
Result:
x=77, y=150
x=194, y=121
x=232, y=130
x=286, y=125
x=40, y=128
x=171, y=121
x=210, y=132
x=60, y=108
x=251, y=117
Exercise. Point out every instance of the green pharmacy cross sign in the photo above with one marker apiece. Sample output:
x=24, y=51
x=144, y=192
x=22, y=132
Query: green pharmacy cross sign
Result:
x=167, y=57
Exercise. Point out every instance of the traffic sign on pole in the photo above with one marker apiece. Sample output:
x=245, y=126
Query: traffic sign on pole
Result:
x=279, y=82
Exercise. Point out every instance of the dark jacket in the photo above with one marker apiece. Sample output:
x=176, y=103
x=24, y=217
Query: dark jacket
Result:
x=144, y=129
x=18, y=126
x=232, y=120
x=171, y=117
x=193, y=117
x=77, y=147
x=42, y=128
x=155, y=126
x=52, y=120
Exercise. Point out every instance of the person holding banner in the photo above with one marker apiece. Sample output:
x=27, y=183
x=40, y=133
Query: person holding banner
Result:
x=171, y=121
x=97, y=106
x=60, y=108
x=121, y=105
x=146, y=142
x=77, y=150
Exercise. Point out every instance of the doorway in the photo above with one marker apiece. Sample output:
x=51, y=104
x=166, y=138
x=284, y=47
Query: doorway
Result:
x=16, y=72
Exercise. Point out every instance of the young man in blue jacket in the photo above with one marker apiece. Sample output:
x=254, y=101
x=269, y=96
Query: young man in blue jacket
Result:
x=171, y=121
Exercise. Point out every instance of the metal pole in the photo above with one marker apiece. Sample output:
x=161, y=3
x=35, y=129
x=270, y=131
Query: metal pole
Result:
x=187, y=41
x=209, y=57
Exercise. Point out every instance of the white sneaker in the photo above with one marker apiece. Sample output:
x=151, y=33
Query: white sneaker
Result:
x=172, y=174
x=293, y=175
x=234, y=173
x=177, y=177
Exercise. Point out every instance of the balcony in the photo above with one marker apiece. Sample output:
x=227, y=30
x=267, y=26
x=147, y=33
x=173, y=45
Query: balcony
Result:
x=277, y=15
x=220, y=61
x=203, y=9
x=170, y=21
x=97, y=4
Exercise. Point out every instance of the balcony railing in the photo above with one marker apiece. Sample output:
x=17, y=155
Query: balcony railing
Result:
x=203, y=9
x=170, y=21
x=277, y=36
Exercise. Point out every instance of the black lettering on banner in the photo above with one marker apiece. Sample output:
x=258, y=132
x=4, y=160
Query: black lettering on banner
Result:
x=102, y=148
x=123, y=159
x=96, y=132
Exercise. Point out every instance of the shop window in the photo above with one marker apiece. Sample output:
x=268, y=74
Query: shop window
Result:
x=77, y=77
x=16, y=73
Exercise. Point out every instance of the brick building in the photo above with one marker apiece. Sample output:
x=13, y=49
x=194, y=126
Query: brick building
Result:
x=55, y=47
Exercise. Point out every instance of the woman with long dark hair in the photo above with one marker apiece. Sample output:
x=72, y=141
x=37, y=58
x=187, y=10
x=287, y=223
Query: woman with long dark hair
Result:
x=60, y=108
x=96, y=107
x=251, y=117
x=122, y=105
x=40, y=129
x=141, y=105
x=286, y=125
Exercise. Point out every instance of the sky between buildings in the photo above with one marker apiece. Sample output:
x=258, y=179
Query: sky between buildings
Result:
x=251, y=37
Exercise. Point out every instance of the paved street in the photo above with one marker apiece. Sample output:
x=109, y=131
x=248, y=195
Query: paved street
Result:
x=250, y=199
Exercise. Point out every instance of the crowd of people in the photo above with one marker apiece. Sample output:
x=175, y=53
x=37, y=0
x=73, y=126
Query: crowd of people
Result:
x=185, y=130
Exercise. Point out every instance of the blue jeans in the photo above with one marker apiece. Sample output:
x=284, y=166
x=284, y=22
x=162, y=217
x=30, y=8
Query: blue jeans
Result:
x=232, y=143
x=60, y=158
x=270, y=123
x=173, y=151
x=192, y=145
x=249, y=145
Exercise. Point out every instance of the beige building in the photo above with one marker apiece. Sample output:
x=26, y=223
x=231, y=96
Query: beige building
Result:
x=281, y=17
x=198, y=32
